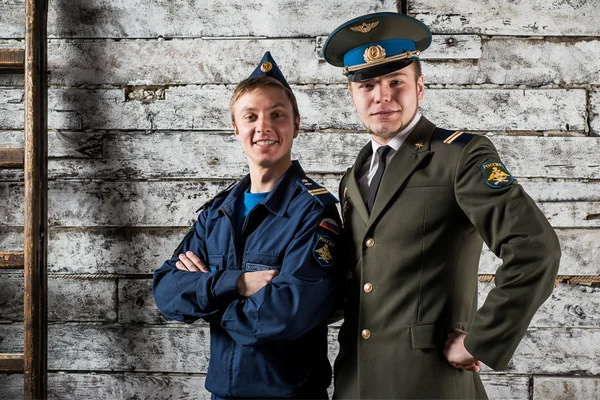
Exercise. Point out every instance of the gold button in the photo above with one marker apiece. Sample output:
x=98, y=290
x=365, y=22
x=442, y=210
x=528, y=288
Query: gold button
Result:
x=368, y=287
x=370, y=242
x=366, y=334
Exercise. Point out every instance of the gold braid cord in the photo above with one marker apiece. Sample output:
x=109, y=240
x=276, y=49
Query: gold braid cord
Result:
x=397, y=57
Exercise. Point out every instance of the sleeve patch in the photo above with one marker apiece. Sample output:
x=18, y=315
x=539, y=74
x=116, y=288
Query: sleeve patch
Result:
x=324, y=250
x=495, y=174
x=330, y=224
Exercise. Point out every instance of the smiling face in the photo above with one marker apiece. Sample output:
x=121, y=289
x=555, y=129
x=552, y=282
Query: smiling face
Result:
x=265, y=124
x=386, y=104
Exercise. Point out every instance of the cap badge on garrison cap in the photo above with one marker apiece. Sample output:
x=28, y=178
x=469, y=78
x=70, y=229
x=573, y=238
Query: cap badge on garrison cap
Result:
x=364, y=27
x=266, y=66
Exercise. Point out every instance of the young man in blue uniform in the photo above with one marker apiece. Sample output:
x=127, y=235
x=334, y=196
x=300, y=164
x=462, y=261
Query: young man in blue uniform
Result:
x=416, y=205
x=261, y=262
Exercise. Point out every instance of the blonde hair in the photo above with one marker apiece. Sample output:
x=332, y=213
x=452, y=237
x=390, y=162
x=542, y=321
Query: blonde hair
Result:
x=249, y=85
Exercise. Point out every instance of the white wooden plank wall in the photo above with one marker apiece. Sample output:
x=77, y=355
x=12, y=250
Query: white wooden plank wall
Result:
x=140, y=137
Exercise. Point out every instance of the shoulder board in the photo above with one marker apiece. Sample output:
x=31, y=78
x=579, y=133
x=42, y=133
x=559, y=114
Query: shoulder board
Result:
x=318, y=192
x=222, y=193
x=446, y=136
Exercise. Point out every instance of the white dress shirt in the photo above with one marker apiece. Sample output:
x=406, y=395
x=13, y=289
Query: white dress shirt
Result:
x=369, y=168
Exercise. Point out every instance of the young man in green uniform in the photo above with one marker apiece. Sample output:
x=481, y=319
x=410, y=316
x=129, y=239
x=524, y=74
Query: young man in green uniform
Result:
x=417, y=204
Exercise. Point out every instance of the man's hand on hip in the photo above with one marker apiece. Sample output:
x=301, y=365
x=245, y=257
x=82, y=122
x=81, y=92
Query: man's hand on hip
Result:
x=457, y=355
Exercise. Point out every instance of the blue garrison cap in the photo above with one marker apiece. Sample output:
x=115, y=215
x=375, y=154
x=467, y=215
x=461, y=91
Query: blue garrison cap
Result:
x=268, y=67
x=376, y=44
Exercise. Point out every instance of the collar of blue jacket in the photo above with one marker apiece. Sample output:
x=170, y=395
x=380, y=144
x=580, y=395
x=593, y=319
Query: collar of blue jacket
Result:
x=280, y=196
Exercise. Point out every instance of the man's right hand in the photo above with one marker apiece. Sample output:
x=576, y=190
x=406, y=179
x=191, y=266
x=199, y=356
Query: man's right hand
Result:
x=251, y=282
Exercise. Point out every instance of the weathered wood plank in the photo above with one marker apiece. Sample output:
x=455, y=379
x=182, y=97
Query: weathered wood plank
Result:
x=514, y=61
x=571, y=215
x=200, y=61
x=79, y=347
x=563, y=388
x=580, y=253
x=595, y=112
x=62, y=143
x=212, y=155
x=321, y=106
x=11, y=158
x=158, y=203
x=68, y=299
x=492, y=17
x=141, y=250
x=136, y=303
x=86, y=347
x=560, y=351
x=506, y=387
x=568, y=306
x=172, y=204
x=11, y=259
x=539, y=61
x=11, y=363
x=138, y=18
x=158, y=386
x=12, y=61
x=113, y=386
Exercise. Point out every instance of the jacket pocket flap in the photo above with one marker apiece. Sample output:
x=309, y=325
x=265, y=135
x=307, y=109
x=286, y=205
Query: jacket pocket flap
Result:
x=215, y=261
x=424, y=336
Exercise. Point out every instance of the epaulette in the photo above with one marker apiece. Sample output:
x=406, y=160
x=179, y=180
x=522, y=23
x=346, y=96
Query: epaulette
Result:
x=452, y=137
x=319, y=193
x=222, y=193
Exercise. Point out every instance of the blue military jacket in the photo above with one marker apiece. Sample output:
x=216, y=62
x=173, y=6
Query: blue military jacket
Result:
x=272, y=344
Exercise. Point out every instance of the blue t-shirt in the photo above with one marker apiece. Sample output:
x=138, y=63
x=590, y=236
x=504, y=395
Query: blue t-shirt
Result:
x=250, y=201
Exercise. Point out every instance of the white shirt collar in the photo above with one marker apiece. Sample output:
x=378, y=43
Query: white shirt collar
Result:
x=397, y=140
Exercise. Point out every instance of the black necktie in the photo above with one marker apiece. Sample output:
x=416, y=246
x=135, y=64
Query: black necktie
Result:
x=381, y=153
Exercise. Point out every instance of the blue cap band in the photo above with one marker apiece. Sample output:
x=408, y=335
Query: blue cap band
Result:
x=391, y=47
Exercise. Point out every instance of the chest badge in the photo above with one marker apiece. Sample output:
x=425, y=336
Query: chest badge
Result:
x=495, y=174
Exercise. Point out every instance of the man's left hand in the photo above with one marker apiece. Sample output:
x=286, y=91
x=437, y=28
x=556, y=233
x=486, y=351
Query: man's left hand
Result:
x=457, y=355
x=191, y=262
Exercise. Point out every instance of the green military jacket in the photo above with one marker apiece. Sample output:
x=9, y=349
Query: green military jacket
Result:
x=414, y=263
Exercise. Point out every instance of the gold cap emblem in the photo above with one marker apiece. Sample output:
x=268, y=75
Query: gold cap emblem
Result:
x=374, y=53
x=266, y=66
x=364, y=27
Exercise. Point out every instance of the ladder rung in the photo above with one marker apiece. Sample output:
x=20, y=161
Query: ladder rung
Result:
x=11, y=158
x=12, y=60
x=11, y=363
x=11, y=260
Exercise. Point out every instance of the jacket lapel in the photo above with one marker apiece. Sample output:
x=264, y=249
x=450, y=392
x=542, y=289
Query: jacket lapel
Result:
x=408, y=157
x=352, y=182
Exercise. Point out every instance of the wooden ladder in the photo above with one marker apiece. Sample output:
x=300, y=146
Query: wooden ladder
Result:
x=33, y=158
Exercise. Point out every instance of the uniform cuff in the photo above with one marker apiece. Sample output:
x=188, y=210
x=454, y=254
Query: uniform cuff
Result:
x=226, y=288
